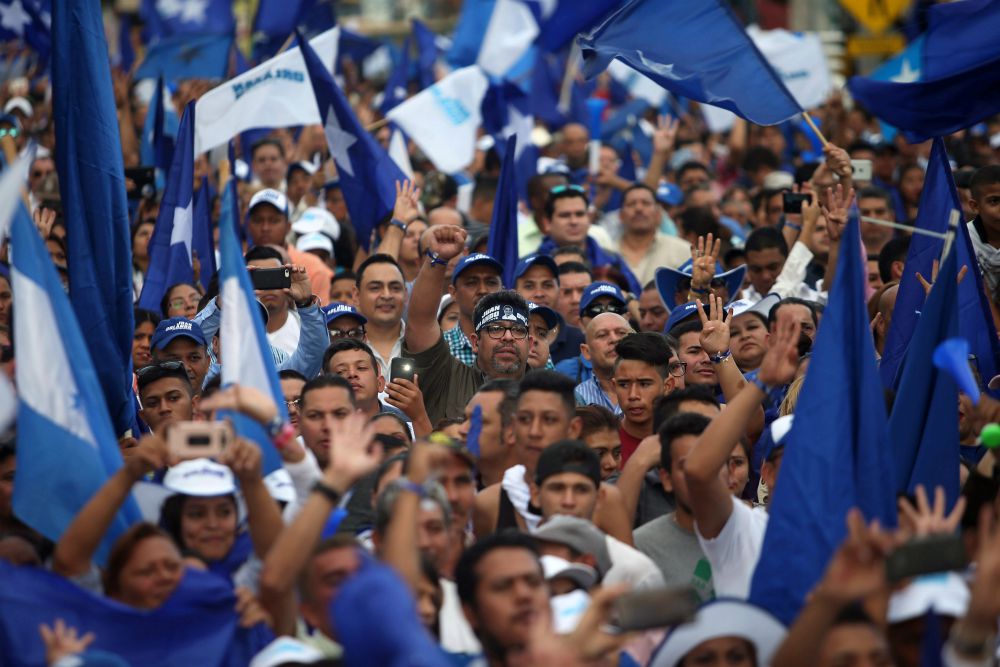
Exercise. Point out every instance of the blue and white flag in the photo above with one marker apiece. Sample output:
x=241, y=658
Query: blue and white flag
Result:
x=66, y=448
x=428, y=50
x=170, y=248
x=506, y=112
x=275, y=93
x=444, y=119
x=368, y=174
x=170, y=17
x=28, y=21
x=182, y=57
x=397, y=86
x=202, y=241
x=95, y=208
x=245, y=353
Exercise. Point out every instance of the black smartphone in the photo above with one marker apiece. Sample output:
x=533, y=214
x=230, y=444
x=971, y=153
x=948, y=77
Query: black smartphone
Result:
x=401, y=368
x=142, y=182
x=792, y=201
x=926, y=555
x=266, y=279
x=660, y=608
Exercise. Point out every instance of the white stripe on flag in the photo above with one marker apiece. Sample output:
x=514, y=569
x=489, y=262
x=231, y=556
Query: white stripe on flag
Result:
x=238, y=340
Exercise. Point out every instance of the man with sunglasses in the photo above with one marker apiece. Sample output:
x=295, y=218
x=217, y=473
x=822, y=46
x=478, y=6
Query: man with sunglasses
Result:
x=501, y=338
x=598, y=298
x=166, y=395
x=567, y=223
x=344, y=321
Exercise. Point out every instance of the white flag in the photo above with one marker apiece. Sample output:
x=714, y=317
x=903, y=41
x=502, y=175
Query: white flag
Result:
x=275, y=93
x=443, y=119
x=509, y=35
x=400, y=154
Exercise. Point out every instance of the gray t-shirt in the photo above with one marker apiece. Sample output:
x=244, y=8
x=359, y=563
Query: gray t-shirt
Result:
x=677, y=553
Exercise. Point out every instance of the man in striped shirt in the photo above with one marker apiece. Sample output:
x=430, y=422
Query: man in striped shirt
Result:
x=602, y=334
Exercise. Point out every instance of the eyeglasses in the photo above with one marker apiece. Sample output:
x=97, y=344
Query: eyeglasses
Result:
x=180, y=303
x=678, y=368
x=559, y=189
x=10, y=131
x=39, y=173
x=497, y=331
x=598, y=308
x=294, y=403
x=358, y=333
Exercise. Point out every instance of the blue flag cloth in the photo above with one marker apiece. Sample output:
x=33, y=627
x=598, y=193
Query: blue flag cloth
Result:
x=183, y=56
x=502, y=243
x=66, y=446
x=242, y=337
x=197, y=625
x=905, y=67
x=696, y=50
x=836, y=457
x=397, y=86
x=95, y=208
x=280, y=18
x=367, y=174
x=171, y=17
x=506, y=111
x=937, y=200
x=24, y=20
x=427, y=53
x=924, y=422
x=469, y=32
x=157, y=146
x=932, y=644
x=170, y=246
x=960, y=79
x=559, y=24
x=202, y=241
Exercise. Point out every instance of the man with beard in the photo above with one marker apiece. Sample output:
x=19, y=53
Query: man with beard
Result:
x=501, y=340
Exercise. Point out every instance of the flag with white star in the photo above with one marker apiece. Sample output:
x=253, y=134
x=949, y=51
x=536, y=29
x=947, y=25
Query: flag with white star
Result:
x=171, y=17
x=28, y=21
x=367, y=174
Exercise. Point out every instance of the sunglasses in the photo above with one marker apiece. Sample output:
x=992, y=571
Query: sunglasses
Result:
x=358, y=333
x=11, y=132
x=559, y=189
x=160, y=368
x=598, y=308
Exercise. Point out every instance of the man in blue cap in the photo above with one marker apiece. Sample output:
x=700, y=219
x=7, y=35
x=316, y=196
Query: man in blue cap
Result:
x=180, y=339
x=344, y=321
x=474, y=277
x=536, y=278
x=600, y=297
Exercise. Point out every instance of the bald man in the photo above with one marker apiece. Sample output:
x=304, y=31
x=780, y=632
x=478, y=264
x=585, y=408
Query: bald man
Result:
x=886, y=304
x=601, y=335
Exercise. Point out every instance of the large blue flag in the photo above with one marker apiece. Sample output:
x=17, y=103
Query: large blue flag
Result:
x=157, y=145
x=95, y=208
x=202, y=241
x=924, y=422
x=506, y=112
x=937, y=201
x=170, y=247
x=170, y=17
x=960, y=81
x=367, y=174
x=396, y=88
x=242, y=337
x=696, y=50
x=427, y=53
x=66, y=446
x=280, y=18
x=837, y=456
x=502, y=243
x=197, y=625
x=187, y=57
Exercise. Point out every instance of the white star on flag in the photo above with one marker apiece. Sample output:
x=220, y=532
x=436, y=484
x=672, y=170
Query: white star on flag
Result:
x=182, y=230
x=187, y=11
x=906, y=74
x=14, y=18
x=339, y=142
x=521, y=125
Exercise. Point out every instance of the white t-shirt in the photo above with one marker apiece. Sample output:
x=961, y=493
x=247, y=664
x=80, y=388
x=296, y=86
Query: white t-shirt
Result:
x=517, y=490
x=734, y=552
x=631, y=565
x=456, y=633
x=287, y=337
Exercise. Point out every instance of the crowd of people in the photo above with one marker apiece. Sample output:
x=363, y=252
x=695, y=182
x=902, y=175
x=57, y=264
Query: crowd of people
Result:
x=476, y=472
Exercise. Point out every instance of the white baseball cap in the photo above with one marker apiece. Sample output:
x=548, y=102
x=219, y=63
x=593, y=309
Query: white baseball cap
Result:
x=316, y=219
x=200, y=477
x=284, y=650
x=314, y=241
x=723, y=618
x=269, y=196
x=19, y=104
x=279, y=485
x=946, y=593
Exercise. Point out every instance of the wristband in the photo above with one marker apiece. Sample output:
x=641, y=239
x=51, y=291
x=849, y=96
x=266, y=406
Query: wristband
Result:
x=405, y=484
x=766, y=388
x=305, y=304
x=698, y=290
x=327, y=492
x=399, y=224
x=792, y=225
x=436, y=258
x=283, y=437
x=719, y=358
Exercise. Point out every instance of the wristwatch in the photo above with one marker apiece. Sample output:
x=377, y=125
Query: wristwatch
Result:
x=327, y=491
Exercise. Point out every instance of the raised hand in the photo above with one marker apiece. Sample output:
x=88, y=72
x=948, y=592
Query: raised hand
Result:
x=857, y=568
x=62, y=641
x=838, y=160
x=665, y=134
x=301, y=288
x=244, y=459
x=406, y=395
x=782, y=358
x=407, y=199
x=150, y=454
x=44, y=219
x=247, y=400
x=836, y=209
x=714, y=335
x=353, y=453
x=934, y=272
x=448, y=241
x=926, y=519
x=704, y=256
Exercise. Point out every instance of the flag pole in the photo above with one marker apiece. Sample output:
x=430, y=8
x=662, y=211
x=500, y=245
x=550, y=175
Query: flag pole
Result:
x=377, y=125
x=949, y=236
x=907, y=228
x=812, y=125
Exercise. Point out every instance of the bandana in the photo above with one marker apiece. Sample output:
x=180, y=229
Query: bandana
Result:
x=502, y=312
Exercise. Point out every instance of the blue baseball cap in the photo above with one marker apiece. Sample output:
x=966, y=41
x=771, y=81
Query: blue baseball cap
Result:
x=176, y=327
x=775, y=437
x=681, y=313
x=667, y=280
x=474, y=259
x=599, y=289
x=669, y=194
x=550, y=316
x=340, y=309
x=536, y=260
